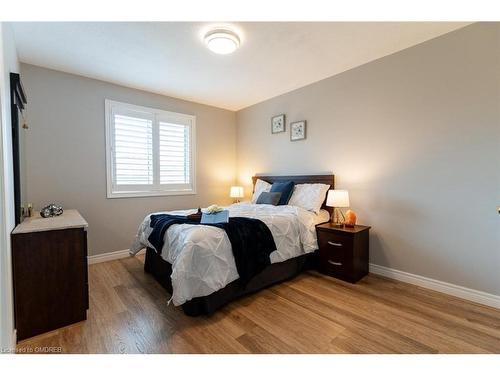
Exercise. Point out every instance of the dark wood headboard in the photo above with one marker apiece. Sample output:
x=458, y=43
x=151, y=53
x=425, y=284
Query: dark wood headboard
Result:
x=327, y=179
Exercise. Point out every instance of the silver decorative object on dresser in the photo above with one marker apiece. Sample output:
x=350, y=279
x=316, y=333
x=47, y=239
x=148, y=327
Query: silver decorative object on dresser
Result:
x=51, y=210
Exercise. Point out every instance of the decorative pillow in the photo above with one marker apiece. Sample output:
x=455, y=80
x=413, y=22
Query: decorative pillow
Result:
x=269, y=198
x=309, y=196
x=286, y=190
x=260, y=187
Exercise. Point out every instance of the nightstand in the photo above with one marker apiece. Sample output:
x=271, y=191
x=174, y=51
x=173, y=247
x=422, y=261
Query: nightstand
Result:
x=343, y=252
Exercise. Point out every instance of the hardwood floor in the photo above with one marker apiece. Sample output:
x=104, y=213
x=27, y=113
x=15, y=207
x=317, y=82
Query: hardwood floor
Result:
x=309, y=314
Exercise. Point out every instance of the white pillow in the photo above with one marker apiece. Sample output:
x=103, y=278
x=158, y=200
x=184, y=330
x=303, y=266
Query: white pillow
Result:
x=309, y=196
x=260, y=187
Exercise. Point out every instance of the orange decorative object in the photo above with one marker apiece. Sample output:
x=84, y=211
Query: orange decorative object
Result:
x=350, y=219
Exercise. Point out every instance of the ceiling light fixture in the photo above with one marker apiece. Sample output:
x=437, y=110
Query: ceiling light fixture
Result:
x=222, y=41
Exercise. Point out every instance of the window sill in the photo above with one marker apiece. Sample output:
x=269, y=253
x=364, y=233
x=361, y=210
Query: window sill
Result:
x=142, y=194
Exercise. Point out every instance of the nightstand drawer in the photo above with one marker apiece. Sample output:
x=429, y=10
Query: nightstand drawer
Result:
x=337, y=258
x=332, y=241
x=332, y=268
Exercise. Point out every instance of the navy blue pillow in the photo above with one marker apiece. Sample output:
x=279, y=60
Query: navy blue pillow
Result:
x=286, y=190
x=268, y=198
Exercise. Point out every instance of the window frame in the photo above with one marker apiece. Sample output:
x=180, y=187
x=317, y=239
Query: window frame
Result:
x=156, y=189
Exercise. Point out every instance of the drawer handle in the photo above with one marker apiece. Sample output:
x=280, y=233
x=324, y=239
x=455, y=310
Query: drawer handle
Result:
x=334, y=243
x=335, y=263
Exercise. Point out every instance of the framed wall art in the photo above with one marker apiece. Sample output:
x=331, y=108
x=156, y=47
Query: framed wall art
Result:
x=278, y=124
x=298, y=130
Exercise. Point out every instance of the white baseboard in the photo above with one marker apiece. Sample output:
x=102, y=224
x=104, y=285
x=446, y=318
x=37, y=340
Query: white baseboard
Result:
x=110, y=256
x=439, y=286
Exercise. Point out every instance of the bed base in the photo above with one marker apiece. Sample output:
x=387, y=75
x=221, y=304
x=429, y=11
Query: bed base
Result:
x=272, y=274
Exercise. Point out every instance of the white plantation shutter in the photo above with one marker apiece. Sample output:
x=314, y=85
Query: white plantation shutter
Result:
x=149, y=151
x=133, y=150
x=174, y=153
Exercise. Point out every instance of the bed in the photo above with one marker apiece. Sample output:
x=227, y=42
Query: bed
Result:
x=197, y=267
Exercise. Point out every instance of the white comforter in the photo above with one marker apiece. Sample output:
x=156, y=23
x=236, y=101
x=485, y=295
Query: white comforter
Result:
x=201, y=256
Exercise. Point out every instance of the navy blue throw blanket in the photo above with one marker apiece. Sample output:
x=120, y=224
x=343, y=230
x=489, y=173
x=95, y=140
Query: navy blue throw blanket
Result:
x=251, y=241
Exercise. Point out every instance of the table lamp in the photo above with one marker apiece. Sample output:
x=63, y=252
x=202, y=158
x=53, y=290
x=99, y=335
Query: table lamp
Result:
x=236, y=192
x=338, y=199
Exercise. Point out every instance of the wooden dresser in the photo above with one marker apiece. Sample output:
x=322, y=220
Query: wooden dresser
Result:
x=49, y=258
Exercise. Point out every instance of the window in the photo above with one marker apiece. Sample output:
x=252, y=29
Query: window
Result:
x=149, y=152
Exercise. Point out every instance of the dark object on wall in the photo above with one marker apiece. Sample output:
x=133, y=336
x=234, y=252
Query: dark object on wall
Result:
x=17, y=105
x=50, y=280
x=51, y=210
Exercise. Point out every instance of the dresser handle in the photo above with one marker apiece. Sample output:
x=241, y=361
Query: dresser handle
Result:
x=335, y=263
x=334, y=243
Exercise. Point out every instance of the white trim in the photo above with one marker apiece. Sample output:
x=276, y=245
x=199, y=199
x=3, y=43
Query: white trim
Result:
x=156, y=189
x=152, y=193
x=113, y=255
x=439, y=286
x=7, y=330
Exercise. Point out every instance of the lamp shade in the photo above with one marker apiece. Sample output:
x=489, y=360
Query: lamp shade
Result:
x=236, y=192
x=337, y=198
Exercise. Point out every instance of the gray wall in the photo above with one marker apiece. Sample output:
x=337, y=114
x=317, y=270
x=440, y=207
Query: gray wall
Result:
x=65, y=153
x=414, y=137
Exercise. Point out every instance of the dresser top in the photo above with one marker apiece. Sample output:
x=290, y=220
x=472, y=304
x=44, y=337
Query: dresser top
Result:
x=69, y=219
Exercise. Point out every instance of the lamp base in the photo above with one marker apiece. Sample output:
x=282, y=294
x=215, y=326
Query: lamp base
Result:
x=338, y=218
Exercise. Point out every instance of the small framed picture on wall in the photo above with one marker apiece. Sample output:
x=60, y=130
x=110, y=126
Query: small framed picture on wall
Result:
x=298, y=130
x=278, y=124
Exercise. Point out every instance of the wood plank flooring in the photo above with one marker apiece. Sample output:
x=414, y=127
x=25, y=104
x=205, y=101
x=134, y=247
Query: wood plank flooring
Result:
x=309, y=314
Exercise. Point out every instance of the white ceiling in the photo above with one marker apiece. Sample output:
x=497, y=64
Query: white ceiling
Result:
x=170, y=58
